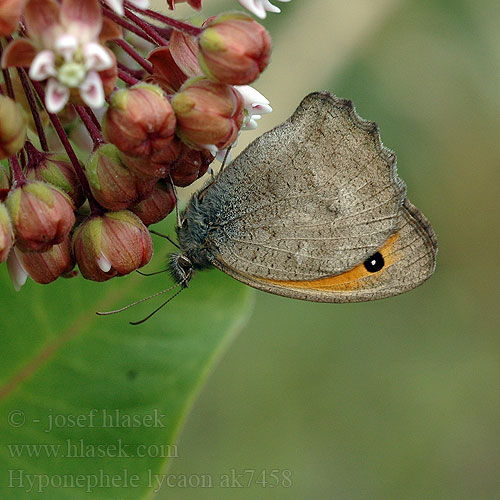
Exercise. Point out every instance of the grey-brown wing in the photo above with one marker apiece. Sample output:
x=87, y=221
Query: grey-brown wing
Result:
x=313, y=197
x=408, y=256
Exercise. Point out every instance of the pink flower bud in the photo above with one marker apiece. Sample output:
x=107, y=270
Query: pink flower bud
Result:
x=6, y=233
x=112, y=183
x=13, y=126
x=190, y=165
x=157, y=206
x=113, y=244
x=158, y=164
x=10, y=13
x=209, y=114
x=41, y=214
x=57, y=170
x=139, y=120
x=46, y=267
x=234, y=49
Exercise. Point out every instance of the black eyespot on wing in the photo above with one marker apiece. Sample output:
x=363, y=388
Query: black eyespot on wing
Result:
x=374, y=263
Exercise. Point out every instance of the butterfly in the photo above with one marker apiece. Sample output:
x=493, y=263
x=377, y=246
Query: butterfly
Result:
x=313, y=210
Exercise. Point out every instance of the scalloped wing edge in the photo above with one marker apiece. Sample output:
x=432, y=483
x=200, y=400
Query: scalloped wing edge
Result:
x=371, y=127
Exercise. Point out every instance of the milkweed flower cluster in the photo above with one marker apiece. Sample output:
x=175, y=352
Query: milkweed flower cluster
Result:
x=157, y=98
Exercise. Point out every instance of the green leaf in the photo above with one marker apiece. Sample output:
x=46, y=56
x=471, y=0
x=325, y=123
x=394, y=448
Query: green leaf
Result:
x=99, y=401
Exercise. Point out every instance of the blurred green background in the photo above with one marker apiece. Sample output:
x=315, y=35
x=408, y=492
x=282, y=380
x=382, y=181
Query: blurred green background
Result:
x=391, y=400
x=396, y=399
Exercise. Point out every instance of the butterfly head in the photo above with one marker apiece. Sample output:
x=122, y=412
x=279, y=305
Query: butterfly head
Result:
x=181, y=268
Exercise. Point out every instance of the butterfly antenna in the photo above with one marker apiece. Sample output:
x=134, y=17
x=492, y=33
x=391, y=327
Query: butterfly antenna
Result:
x=107, y=313
x=165, y=236
x=151, y=274
x=157, y=309
x=174, y=189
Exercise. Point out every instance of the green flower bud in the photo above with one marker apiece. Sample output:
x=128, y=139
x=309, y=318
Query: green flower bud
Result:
x=41, y=215
x=113, y=244
x=13, y=126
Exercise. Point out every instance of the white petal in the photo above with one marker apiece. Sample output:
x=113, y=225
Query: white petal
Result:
x=251, y=124
x=116, y=5
x=104, y=264
x=91, y=90
x=270, y=7
x=17, y=273
x=97, y=57
x=262, y=109
x=250, y=96
x=255, y=7
x=66, y=45
x=43, y=66
x=141, y=4
x=56, y=96
x=210, y=147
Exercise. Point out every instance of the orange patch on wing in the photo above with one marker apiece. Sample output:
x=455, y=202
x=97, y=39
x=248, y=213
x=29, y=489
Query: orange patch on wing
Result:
x=350, y=280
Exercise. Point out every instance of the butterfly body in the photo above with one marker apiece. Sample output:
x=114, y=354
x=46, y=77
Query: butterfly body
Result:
x=314, y=210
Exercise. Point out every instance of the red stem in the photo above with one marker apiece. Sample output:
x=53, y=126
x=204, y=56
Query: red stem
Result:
x=136, y=73
x=147, y=28
x=34, y=156
x=93, y=131
x=17, y=172
x=8, y=81
x=178, y=25
x=134, y=55
x=125, y=24
x=93, y=117
x=95, y=208
x=34, y=108
x=127, y=78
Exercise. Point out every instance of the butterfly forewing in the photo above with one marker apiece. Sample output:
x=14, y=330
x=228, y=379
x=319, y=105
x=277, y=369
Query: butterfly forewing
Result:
x=313, y=197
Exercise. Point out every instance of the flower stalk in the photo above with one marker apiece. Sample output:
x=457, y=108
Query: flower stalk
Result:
x=95, y=208
x=169, y=21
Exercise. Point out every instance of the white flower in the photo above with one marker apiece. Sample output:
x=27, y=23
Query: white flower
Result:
x=69, y=54
x=79, y=67
x=255, y=105
x=260, y=8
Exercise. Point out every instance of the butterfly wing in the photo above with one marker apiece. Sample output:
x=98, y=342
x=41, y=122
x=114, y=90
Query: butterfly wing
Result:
x=408, y=259
x=310, y=199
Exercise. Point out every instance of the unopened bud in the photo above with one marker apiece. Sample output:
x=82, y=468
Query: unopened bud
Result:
x=234, y=49
x=41, y=215
x=157, y=206
x=13, y=126
x=47, y=266
x=190, y=165
x=113, y=244
x=209, y=114
x=6, y=234
x=57, y=170
x=10, y=13
x=139, y=120
x=113, y=185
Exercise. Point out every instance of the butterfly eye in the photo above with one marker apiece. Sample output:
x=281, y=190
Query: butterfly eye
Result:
x=374, y=263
